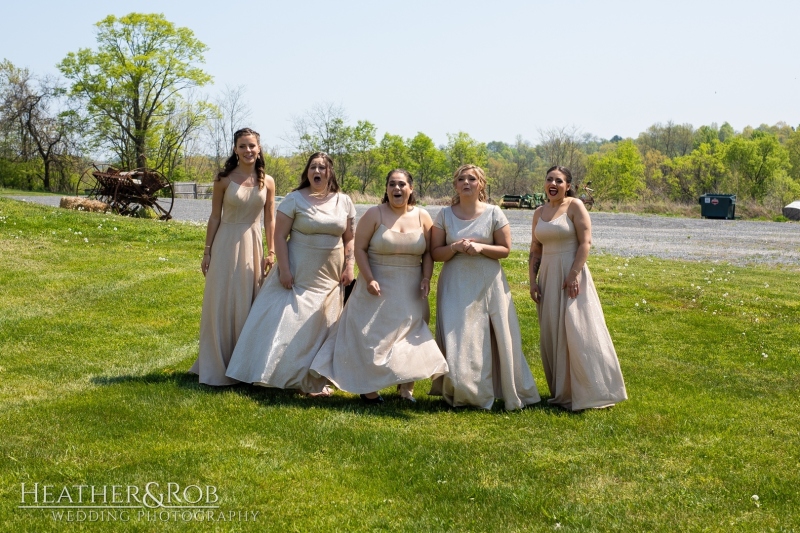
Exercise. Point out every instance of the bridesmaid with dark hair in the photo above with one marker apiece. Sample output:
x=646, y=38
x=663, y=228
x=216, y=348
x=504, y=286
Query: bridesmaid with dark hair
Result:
x=234, y=263
x=579, y=359
x=382, y=338
x=302, y=299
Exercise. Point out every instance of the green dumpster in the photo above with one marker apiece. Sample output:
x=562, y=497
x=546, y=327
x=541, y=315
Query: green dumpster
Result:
x=718, y=206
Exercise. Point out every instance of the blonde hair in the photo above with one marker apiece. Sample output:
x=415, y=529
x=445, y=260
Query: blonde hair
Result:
x=478, y=174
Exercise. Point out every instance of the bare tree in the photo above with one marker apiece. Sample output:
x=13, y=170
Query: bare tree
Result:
x=231, y=113
x=324, y=128
x=26, y=110
x=564, y=147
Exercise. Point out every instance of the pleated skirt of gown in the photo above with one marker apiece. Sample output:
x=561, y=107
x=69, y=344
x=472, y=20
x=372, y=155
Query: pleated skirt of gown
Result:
x=287, y=327
x=232, y=282
x=580, y=362
x=383, y=340
x=478, y=331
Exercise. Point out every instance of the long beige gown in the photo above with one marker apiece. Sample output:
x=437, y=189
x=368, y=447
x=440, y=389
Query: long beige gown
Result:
x=384, y=340
x=579, y=359
x=476, y=322
x=287, y=327
x=232, y=281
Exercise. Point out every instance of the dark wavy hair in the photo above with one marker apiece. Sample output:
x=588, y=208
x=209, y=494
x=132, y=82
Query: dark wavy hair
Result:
x=567, y=174
x=233, y=161
x=412, y=200
x=479, y=173
x=333, y=185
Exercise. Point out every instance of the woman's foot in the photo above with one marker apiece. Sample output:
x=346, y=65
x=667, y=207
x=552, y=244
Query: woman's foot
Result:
x=372, y=398
x=326, y=392
x=406, y=392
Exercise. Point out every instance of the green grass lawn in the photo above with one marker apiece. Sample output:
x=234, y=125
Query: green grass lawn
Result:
x=99, y=323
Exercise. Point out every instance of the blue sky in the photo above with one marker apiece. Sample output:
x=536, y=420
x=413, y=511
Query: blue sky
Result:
x=492, y=69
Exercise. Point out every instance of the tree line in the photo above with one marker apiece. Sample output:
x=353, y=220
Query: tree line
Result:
x=135, y=100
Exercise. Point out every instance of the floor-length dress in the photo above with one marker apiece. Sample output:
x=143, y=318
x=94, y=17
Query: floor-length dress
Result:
x=476, y=322
x=579, y=359
x=287, y=327
x=232, y=280
x=384, y=340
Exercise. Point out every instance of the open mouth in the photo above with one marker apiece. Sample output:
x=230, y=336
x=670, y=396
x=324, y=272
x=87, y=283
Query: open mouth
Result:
x=317, y=179
x=553, y=191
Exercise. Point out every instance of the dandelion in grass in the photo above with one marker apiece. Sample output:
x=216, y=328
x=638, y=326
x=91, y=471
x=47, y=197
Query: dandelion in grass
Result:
x=115, y=229
x=766, y=285
x=85, y=239
x=644, y=301
x=764, y=355
x=636, y=304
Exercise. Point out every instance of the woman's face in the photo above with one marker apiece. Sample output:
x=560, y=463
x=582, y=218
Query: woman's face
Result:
x=555, y=185
x=468, y=184
x=318, y=174
x=247, y=149
x=399, y=190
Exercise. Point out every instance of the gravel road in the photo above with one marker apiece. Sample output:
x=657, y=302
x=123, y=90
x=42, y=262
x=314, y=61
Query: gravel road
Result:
x=735, y=241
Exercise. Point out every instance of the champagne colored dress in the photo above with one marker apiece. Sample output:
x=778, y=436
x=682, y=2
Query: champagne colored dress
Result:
x=476, y=322
x=287, y=327
x=384, y=340
x=232, y=281
x=579, y=359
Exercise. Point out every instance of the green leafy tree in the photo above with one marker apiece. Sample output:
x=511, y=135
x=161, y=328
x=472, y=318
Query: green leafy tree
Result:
x=702, y=171
x=426, y=163
x=365, y=156
x=617, y=173
x=462, y=149
x=726, y=132
x=754, y=161
x=132, y=83
x=793, y=147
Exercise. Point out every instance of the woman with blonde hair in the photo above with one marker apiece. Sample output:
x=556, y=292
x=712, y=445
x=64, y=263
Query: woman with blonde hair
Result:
x=476, y=322
x=234, y=262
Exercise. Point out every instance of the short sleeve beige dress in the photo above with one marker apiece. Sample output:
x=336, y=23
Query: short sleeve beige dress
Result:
x=476, y=322
x=287, y=327
x=579, y=359
x=384, y=340
x=232, y=281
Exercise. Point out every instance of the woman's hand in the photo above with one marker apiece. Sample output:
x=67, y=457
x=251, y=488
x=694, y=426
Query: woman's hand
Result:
x=472, y=248
x=266, y=264
x=536, y=293
x=571, y=285
x=373, y=288
x=348, y=275
x=285, y=278
x=425, y=288
x=205, y=263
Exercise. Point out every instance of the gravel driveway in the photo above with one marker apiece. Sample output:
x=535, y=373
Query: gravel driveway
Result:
x=735, y=241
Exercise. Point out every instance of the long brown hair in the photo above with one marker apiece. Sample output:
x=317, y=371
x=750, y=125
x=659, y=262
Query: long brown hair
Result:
x=481, y=180
x=333, y=185
x=233, y=161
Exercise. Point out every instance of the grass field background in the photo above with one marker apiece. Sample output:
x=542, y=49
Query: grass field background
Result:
x=99, y=323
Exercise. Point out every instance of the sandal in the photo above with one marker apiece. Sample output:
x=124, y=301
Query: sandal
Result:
x=326, y=392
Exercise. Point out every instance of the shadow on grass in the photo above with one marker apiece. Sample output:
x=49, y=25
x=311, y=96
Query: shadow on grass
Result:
x=393, y=407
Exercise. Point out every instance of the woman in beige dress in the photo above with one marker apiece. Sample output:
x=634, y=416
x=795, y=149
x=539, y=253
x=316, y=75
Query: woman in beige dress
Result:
x=382, y=338
x=234, y=263
x=302, y=299
x=579, y=359
x=476, y=322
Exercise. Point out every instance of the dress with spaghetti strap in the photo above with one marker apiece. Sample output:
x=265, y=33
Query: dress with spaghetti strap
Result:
x=384, y=340
x=579, y=359
x=476, y=322
x=287, y=327
x=232, y=281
